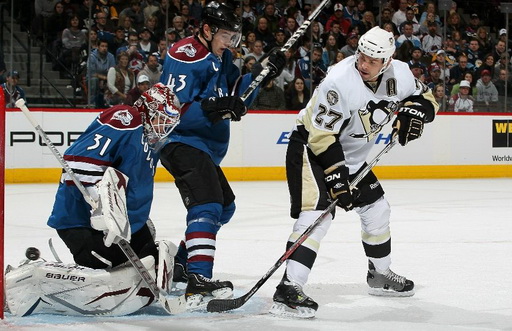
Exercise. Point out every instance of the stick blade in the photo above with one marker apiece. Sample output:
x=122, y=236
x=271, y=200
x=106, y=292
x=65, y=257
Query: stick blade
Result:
x=220, y=305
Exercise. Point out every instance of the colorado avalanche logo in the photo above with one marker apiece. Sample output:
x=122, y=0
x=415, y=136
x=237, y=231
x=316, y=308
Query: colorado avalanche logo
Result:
x=123, y=116
x=332, y=97
x=188, y=49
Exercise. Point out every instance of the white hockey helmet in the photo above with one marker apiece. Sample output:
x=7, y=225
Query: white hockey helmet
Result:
x=379, y=44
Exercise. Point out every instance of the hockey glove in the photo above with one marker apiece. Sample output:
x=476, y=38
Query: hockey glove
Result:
x=222, y=108
x=338, y=187
x=275, y=61
x=408, y=124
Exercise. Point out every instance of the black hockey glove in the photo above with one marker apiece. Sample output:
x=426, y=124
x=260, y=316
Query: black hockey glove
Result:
x=408, y=124
x=275, y=61
x=338, y=187
x=222, y=108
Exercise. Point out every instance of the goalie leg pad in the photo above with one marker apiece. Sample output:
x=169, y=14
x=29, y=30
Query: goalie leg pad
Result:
x=70, y=289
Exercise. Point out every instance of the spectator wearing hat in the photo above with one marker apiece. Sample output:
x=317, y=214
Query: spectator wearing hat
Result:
x=343, y=22
x=152, y=69
x=486, y=93
x=431, y=42
x=146, y=46
x=473, y=26
x=417, y=71
x=134, y=93
x=462, y=101
x=439, y=58
x=351, y=47
x=417, y=58
x=171, y=36
x=408, y=35
x=435, y=77
x=468, y=76
x=280, y=40
x=12, y=92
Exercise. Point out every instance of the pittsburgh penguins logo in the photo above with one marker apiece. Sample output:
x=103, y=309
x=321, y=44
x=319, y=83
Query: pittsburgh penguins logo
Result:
x=374, y=116
x=332, y=97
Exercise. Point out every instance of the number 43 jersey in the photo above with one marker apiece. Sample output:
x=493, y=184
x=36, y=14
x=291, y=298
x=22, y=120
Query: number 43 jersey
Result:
x=344, y=108
x=114, y=139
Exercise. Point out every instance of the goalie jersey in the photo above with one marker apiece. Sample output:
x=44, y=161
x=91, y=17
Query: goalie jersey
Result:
x=347, y=110
x=194, y=73
x=115, y=139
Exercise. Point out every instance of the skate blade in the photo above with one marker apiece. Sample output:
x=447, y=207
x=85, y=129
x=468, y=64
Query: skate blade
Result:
x=282, y=310
x=380, y=292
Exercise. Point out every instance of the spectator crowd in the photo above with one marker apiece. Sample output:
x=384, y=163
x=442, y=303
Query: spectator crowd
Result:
x=114, y=49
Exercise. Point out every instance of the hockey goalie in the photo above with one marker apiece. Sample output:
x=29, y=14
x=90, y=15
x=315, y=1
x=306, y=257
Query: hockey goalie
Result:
x=101, y=213
x=38, y=286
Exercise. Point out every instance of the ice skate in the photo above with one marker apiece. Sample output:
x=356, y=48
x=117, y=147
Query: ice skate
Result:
x=388, y=284
x=290, y=301
x=180, y=273
x=199, y=287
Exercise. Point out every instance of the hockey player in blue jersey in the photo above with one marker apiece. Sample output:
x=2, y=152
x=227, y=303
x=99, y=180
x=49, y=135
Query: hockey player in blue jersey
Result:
x=201, y=72
x=125, y=138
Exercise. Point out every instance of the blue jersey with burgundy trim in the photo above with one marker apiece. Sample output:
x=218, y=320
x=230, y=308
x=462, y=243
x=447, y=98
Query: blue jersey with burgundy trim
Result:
x=114, y=139
x=194, y=73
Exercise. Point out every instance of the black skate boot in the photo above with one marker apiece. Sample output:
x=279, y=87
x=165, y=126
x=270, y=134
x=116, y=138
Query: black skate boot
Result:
x=199, y=286
x=180, y=273
x=290, y=300
x=388, y=283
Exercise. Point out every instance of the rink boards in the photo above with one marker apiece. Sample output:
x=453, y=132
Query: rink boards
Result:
x=453, y=146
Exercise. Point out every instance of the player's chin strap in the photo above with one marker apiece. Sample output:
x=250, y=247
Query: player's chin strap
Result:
x=291, y=41
x=172, y=306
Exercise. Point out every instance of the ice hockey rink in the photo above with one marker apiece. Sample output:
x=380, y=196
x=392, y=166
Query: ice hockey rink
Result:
x=453, y=238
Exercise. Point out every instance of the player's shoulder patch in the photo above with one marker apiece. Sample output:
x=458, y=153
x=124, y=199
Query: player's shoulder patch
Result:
x=188, y=50
x=121, y=117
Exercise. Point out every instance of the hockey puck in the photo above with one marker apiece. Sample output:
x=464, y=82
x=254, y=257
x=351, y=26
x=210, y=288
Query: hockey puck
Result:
x=32, y=253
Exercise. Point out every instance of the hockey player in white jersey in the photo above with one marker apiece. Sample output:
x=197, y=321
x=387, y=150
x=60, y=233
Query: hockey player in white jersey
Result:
x=328, y=148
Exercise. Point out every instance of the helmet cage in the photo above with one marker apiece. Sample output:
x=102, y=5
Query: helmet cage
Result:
x=162, y=110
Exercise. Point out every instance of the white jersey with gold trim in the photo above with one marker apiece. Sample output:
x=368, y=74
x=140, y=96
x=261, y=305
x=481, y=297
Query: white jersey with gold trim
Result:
x=344, y=105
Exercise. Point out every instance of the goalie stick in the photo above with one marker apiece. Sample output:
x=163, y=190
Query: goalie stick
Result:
x=291, y=41
x=220, y=305
x=172, y=306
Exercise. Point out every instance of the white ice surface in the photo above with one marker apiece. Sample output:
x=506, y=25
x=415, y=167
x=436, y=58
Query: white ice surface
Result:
x=452, y=237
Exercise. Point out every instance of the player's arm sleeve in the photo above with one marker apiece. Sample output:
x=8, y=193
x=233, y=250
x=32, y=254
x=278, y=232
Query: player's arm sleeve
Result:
x=324, y=123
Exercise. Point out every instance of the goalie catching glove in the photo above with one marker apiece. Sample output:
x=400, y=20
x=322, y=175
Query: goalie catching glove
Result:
x=221, y=108
x=111, y=215
x=409, y=123
x=339, y=188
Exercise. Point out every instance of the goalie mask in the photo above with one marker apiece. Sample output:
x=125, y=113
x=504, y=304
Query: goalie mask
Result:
x=162, y=112
x=378, y=44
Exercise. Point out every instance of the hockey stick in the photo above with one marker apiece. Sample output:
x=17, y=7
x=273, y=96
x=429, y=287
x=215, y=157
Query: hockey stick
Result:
x=291, y=41
x=219, y=305
x=175, y=306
